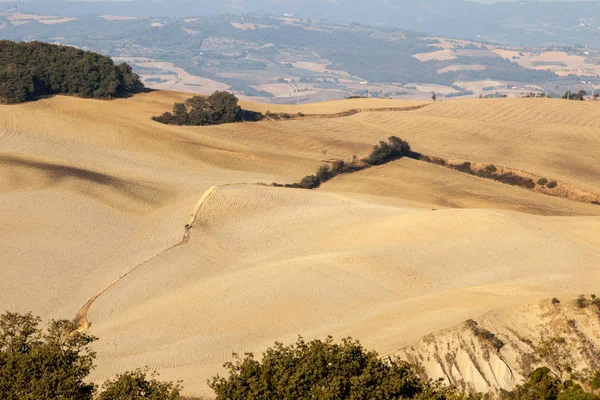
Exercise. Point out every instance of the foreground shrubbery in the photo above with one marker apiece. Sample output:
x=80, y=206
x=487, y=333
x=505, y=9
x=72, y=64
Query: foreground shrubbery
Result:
x=30, y=70
x=219, y=108
x=325, y=370
x=56, y=364
x=543, y=385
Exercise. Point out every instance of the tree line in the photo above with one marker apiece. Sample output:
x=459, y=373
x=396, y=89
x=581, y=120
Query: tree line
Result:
x=31, y=70
x=383, y=153
x=56, y=363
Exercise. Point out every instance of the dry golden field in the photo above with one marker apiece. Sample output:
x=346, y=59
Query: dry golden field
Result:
x=95, y=198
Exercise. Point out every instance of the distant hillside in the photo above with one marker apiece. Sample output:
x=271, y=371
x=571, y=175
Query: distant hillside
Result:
x=299, y=60
x=531, y=23
x=30, y=70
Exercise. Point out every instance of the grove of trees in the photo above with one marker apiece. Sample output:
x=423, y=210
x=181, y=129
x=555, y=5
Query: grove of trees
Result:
x=219, y=108
x=30, y=70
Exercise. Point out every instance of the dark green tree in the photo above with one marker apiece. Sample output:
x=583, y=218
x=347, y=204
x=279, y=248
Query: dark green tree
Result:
x=541, y=385
x=36, y=365
x=136, y=385
x=181, y=116
x=31, y=70
x=394, y=149
x=225, y=108
x=319, y=370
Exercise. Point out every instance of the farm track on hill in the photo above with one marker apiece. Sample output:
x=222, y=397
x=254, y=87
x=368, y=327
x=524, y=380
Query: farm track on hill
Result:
x=81, y=319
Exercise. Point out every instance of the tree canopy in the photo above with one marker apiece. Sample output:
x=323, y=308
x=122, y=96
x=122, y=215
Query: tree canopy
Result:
x=55, y=364
x=219, y=108
x=30, y=70
x=322, y=370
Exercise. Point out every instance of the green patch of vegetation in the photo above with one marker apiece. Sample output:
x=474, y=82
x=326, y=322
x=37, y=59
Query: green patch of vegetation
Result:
x=552, y=185
x=31, y=70
x=542, y=181
x=394, y=149
x=137, y=385
x=55, y=364
x=324, y=370
x=543, y=385
x=219, y=108
x=596, y=381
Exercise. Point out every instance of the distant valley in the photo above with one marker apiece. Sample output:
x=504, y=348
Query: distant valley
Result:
x=295, y=60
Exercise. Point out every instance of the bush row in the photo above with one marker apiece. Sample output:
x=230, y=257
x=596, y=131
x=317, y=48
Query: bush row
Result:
x=394, y=149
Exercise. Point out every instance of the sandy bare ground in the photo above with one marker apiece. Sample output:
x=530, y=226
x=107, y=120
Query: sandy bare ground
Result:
x=446, y=54
x=95, y=199
x=571, y=64
x=180, y=79
x=21, y=18
x=461, y=68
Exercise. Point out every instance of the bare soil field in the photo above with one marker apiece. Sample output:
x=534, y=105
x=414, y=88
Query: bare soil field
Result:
x=436, y=55
x=559, y=62
x=187, y=256
x=179, y=79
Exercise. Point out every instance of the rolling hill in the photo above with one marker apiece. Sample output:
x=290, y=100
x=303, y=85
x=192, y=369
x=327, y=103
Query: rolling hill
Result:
x=173, y=247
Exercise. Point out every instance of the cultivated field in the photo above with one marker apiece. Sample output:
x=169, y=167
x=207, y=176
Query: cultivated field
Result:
x=95, y=198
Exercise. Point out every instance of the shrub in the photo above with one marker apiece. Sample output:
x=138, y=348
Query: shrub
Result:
x=596, y=381
x=135, y=385
x=325, y=173
x=465, y=168
x=310, y=182
x=542, y=181
x=394, y=149
x=319, y=370
x=485, y=335
x=515, y=180
x=555, y=301
x=490, y=169
x=552, y=185
x=540, y=385
x=433, y=160
x=581, y=302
